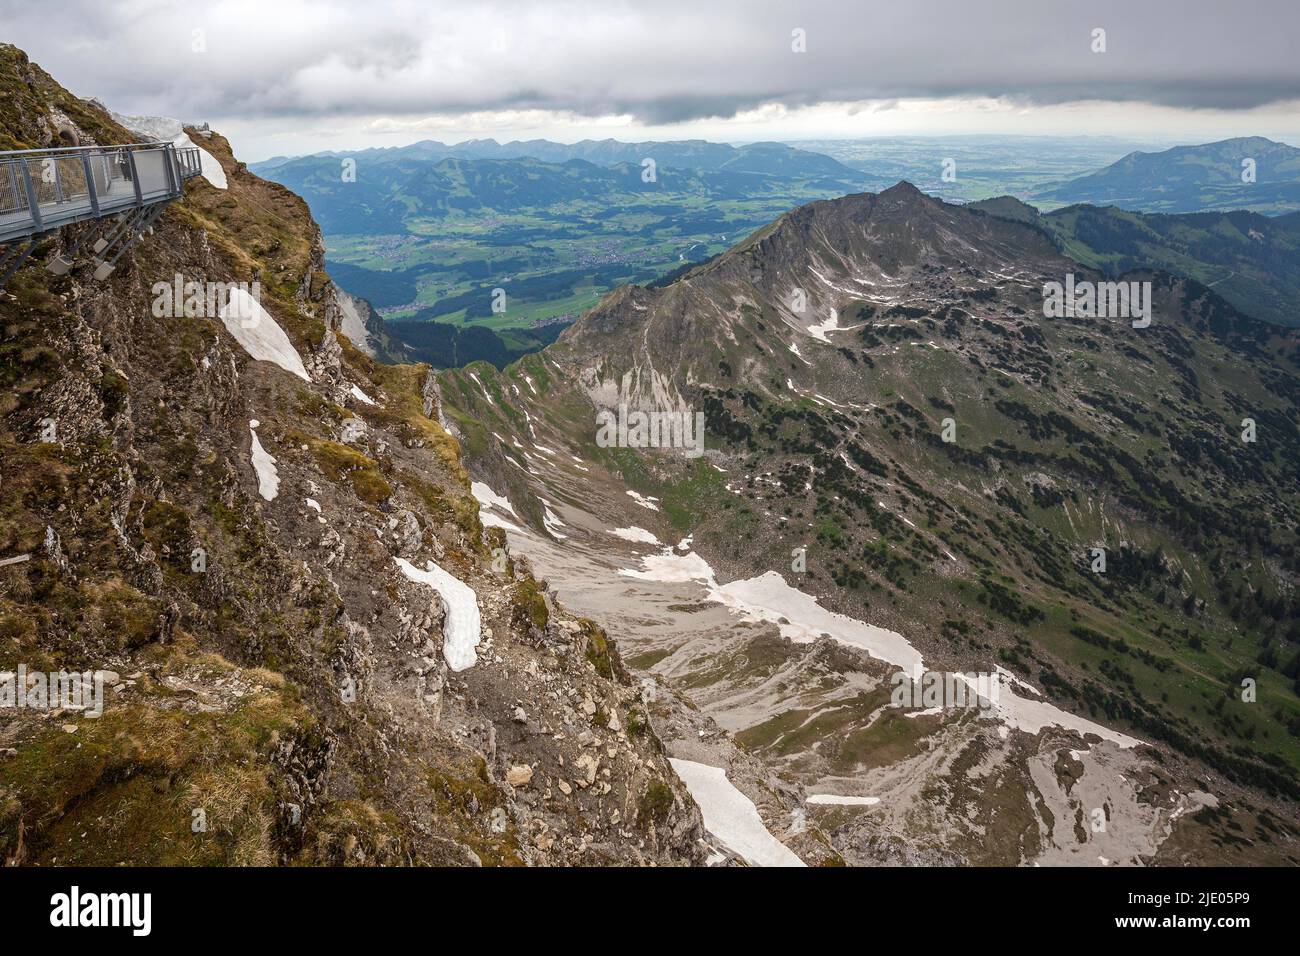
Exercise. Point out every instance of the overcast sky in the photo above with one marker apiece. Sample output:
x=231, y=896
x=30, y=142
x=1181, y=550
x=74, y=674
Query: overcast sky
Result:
x=291, y=76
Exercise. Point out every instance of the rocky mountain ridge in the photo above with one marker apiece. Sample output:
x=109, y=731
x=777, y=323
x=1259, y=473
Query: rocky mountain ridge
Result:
x=244, y=554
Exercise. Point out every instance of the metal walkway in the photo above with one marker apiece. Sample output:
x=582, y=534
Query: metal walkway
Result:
x=44, y=189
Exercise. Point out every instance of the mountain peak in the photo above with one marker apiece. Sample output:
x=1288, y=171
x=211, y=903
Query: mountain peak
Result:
x=900, y=189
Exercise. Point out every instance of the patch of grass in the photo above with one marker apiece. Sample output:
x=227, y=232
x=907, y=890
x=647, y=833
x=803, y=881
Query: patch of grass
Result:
x=340, y=463
x=601, y=652
x=113, y=392
x=135, y=777
x=353, y=832
x=462, y=795
x=643, y=662
x=654, y=805
x=530, y=605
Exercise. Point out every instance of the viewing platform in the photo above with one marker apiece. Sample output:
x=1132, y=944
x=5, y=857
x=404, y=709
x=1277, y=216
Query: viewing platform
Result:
x=44, y=189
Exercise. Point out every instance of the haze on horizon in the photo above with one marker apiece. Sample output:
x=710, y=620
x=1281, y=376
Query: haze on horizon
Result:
x=299, y=77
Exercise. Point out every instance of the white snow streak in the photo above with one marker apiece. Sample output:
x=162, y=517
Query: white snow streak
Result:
x=834, y=799
x=644, y=500
x=462, y=629
x=259, y=334
x=732, y=817
x=639, y=535
x=268, y=479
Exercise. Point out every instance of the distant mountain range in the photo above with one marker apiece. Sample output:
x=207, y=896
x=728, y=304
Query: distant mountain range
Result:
x=765, y=159
x=429, y=179
x=426, y=231
x=394, y=188
x=1193, y=179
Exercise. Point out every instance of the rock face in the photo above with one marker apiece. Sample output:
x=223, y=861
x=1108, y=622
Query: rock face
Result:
x=364, y=327
x=280, y=693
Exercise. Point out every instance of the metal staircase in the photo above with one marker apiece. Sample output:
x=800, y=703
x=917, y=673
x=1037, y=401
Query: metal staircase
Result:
x=127, y=187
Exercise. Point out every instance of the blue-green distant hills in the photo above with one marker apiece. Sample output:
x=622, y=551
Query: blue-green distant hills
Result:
x=1192, y=179
x=430, y=232
x=770, y=159
x=393, y=187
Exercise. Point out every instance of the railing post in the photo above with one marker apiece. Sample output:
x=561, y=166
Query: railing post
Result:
x=135, y=177
x=33, y=205
x=173, y=170
x=13, y=183
x=90, y=184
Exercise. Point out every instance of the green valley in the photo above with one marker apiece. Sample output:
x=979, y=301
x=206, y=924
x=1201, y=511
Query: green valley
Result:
x=428, y=241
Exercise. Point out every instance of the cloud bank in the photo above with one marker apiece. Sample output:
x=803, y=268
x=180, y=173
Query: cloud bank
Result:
x=660, y=62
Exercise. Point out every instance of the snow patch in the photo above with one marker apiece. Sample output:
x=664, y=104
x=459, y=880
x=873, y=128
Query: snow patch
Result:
x=488, y=498
x=209, y=168
x=483, y=389
x=928, y=712
x=834, y=799
x=671, y=568
x=732, y=817
x=639, y=535
x=362, y=396
x=491, y=520
x=768, y=598
x=164, y=129
x=801, y=619
x=259, y=334
x=1032, y=716
x=551, y=521
x=645, y=501
x=268, y=478
x=830, y=325
x=463, y=629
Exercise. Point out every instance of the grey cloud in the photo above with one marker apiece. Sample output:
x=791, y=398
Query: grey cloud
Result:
x=663, y=62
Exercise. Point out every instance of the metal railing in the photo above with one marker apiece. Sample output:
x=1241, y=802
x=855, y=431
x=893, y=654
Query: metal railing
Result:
x=43, y=189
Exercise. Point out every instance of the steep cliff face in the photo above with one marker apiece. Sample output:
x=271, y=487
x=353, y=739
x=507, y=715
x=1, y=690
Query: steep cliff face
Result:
x=281, y=576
